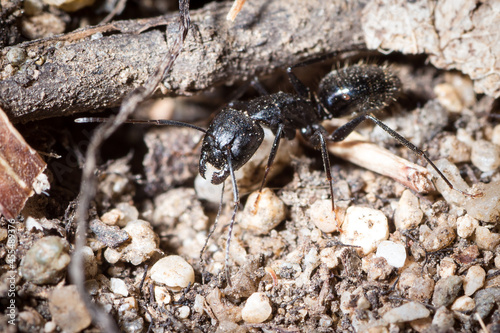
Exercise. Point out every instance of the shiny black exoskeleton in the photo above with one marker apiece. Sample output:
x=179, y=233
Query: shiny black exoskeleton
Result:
x=236, y=133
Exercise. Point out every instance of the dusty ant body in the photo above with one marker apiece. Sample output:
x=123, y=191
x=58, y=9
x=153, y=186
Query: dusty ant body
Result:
x=236, y=132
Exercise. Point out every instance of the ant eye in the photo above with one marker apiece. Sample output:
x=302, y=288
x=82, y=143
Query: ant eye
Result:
x=346, y=97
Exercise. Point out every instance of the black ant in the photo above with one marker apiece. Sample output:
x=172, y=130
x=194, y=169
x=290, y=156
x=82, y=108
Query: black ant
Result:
x=236, y=132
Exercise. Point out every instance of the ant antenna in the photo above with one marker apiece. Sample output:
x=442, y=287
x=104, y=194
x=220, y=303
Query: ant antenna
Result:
x=159, y=122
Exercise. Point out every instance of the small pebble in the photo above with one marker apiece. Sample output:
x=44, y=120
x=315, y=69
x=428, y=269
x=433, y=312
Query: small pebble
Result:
x=463, y=303
x=466, y=225
x=394, y=253
x=329, y=258
x=162, y=296
x=183, y=312
x=443, y=319
x=89, y=262
x=406, y=312
x=448, y=96
x=485, y=239
x=474, y=280
x=446, y=290
x=16, y=56
x=485, y=300
x=408, y=214
x=377, y=268
x=487, y=206
x=173, y=272
x=46, y=261
x=143, y=244
x=68, y=310
x=264, y=216
x=495, y=137
x=437, y=239
x=29, y=320
x=3, y=234
x=485, y=155
x=497, y=261
x=418, y=286
x=118, y=286
x=323, y=217
x=50, y=326
x=128, y=304
x=112, y=217
x=454, y=150
x=364, y=227
x=447, y=267
x=111, y=236
x=257, y=308
x=199, y=304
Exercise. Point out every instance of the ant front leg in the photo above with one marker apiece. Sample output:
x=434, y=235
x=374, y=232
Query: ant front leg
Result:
x=270, y=160
x=320, y=135
x=342, y=132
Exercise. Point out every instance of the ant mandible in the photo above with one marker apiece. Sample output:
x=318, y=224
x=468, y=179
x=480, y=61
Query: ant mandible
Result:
x=236, y=132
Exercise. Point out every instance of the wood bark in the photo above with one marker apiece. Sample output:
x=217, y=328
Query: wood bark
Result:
x=95, y=67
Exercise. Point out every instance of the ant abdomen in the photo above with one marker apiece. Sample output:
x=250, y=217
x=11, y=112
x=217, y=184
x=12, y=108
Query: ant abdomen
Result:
x=357, y=89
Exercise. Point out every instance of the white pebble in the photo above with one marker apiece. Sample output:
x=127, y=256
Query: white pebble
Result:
x=112, y=256
x=485, y=239
x=487, y=206
x=329, y=258
x=257, y=309
x=495, y=137
x=437, y=239
x=485, y=155
x=144, y=242
x=408, y=214
x=466, y=225
x=448, y=96
x=447, y=267
x=322, y=216
x=406, y=312
x=162, y=296
x=264, y=216
x=89, y=262
x=173, y=272
x=394, y=253
x=183, y=312
x=474, y=280
x=118, y=286
x=454, y=150
x=364, y=227
x=463, y=303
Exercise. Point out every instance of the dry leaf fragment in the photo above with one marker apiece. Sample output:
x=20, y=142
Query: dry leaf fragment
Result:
x=21, y=170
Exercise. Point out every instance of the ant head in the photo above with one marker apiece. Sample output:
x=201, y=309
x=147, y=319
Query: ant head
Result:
x=231, y=132
x=361, y=88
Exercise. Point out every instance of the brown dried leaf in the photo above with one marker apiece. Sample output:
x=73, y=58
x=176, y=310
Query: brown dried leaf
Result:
x=21, y=170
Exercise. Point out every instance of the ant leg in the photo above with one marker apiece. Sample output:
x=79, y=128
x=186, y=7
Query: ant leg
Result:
x=270, y=161
x=210, y=233
x=236, y=200
x=326, y=164
x=343, y=131
x=417, y=151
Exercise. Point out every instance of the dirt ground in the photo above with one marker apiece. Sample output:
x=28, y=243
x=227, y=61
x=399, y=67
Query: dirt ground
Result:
x=150, y=205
